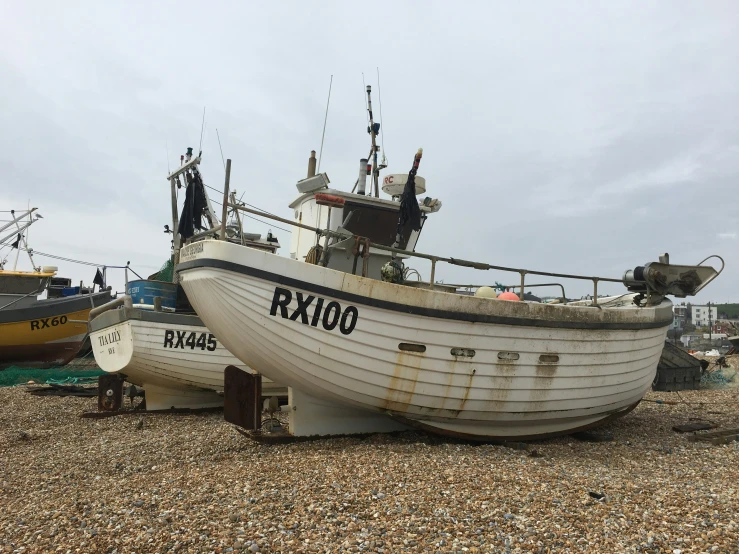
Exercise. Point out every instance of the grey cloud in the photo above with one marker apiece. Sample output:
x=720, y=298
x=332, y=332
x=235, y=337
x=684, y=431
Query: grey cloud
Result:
x=578, y=138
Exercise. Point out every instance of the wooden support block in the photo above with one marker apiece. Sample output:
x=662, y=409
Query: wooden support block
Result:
x=242, y=398
x=110, y=392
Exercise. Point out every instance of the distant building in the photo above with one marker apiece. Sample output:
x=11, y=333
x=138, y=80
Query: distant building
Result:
x=680, y=316
x=700, y=315
x=687, y=339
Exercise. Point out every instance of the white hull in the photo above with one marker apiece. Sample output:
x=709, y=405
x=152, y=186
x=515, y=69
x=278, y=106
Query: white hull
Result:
x=596, y=363
x=176, y=360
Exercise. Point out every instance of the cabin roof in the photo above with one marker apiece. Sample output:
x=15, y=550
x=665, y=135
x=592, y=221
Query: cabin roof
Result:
x=30, y=274
x=361, y=198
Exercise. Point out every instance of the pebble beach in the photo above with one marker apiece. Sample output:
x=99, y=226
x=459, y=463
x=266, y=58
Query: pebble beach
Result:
x=152, y=483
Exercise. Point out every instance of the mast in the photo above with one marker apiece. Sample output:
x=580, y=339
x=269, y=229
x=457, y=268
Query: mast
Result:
x=373, y=129
x=16, y=219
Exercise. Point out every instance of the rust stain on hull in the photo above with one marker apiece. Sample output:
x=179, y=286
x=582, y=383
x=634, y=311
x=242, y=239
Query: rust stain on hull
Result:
x=545, y=373
x=403, y=382
x=467, y=389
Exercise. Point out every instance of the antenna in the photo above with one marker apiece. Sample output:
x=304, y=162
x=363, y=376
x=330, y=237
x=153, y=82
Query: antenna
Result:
x=166, y=145
x=221, y=148
x=325, y=119
x=202, y=128
x=383, y=163
x=364, y=89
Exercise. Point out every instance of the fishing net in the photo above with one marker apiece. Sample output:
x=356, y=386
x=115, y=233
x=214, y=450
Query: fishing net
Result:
x=59, y=375
x=166, y=273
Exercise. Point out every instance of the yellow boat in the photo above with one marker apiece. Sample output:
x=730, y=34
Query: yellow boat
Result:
x=41, y=333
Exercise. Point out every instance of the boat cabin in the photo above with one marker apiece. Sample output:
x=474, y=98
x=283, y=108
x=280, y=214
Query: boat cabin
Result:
x=20, y=288
x=362, y=215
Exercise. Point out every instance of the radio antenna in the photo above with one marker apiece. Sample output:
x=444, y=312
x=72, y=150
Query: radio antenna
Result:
x=202, y=128
x=325, y=119
x=383, y=162
x=221, y=148
x=166, y=145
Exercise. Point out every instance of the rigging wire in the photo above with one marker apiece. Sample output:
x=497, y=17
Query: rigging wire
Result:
x=71, y=260
x=242, y=195
x=221, y=148
x=202, y=128
x=382, y=121
x=254, y=218
x=325, y=120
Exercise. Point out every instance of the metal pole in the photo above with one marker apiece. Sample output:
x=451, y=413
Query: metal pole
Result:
x=175, y=215
x=523, y=278
x=324, y=255
x=225, y=199
x=595, y=292
x=312, y=164
x=433, y=273
x=375, y=171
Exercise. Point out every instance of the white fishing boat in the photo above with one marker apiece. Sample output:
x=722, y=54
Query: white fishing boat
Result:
x=365, y=348
x=152, y=337
x=176, y=360
x=471, y=366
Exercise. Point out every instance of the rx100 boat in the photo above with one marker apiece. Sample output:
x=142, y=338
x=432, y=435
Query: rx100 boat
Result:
x=364, y=347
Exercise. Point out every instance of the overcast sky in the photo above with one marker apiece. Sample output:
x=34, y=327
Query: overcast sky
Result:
x=577, y=137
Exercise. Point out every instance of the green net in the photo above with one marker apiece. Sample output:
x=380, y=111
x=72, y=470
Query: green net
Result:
x=166, y=273
x=60, y=375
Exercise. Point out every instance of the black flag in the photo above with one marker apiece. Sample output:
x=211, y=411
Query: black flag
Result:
x=98, y=280
x=409, y=210
x=16, y=243
x=195, y=204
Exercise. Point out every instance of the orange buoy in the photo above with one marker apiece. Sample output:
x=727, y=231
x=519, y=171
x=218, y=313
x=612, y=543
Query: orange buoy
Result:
x=508, y=296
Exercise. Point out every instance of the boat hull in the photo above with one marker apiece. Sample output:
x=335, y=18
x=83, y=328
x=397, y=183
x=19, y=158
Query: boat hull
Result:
x=464, y=366
x=173, y=357
x=47, y=333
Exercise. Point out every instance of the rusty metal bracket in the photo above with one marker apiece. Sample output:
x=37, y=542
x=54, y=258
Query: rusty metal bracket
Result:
x=242, y=398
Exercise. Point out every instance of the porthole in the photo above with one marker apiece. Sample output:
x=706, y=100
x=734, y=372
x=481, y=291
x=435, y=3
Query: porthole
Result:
x=463, y=352
x=410, y=347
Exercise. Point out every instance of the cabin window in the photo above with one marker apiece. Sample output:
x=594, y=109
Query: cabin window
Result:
x=463, y=352
x=377, y=223
x=508, y=356
x=410, y=347
x=549, y=358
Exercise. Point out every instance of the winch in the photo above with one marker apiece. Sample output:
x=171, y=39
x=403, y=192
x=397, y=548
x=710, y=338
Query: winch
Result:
x=664, y=278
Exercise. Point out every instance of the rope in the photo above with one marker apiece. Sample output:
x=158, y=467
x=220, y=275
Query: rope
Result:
x=42, y=254
x=314, y=254
x=245, y=203
x=255, y=219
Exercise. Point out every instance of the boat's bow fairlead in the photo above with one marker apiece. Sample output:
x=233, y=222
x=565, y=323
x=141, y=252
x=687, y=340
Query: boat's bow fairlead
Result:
x=663, y=278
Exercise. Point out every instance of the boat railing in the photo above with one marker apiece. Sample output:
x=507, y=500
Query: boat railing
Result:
x=563, y=298
x=124, y=301
x=433, y=259
x=344, y=235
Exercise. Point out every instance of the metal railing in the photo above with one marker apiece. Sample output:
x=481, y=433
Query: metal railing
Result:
x=435, y=259
x=124, y=301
